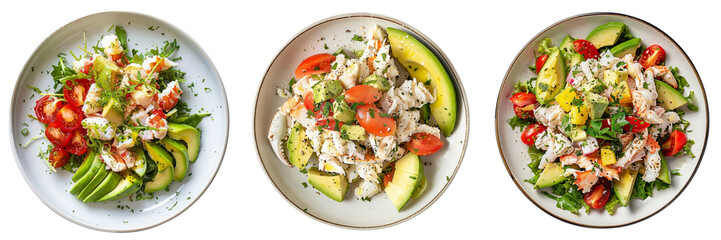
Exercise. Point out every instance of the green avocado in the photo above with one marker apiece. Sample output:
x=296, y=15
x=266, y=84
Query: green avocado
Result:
x=299, y=149
x=664, y=174
x=129, y=184
x=141, y=164
x=343, y=112
x=105, y=73
x=189, y=135
x=95, y=166
x=407, y=177
x=576, y=58
x=166, y=171
x=577, y=134
x=332, y=185
x=628, y=47
x=596, y=104
x=567, y=49
x=623, y=187
x=325, y=90
x=113, y=112
x=422, y=65
x=668, y=97
x=552, y=174
x=593, y=85
x=606, y=34
x=180, y=154
x=85, y=166
x=353, y=132
x=377, y=81
x=551, y=79
x=93, y=184
x=108, y=184
x=425, y=113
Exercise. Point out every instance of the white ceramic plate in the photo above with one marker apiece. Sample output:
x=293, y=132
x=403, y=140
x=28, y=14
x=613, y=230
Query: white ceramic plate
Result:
x=352, y=213
x=121, y=215
x=514, y=152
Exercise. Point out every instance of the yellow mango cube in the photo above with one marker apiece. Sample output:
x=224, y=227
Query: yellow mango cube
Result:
x=622, y=93
x=608, y=157
x=566, y=97
x=578, y=115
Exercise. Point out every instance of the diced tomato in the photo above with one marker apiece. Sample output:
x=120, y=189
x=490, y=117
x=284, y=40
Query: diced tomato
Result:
x=423, y=144
x=329, y=124
x=524, y=112
x=523, y=99
x=308, y=101
x=362, y=94
x=69, y=118
x=635, y=124
x=78, y=145
x=540, y=61
x=531, y=132
x=652, y=56
x=56, y=135
x=586, y=48
x=599, y=194
x=58, y=157
x=317, y=109
x=676, y=141
x=375, y=121
x=316, y=64
x=388, y=177
x=46, y=109
x=75, y=91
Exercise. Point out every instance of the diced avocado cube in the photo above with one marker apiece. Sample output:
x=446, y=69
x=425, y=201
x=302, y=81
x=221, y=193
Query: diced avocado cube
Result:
x=343, y=112
x=105, y=73
x=113, y=112
x=593, y=85
x=577, y=134
x=353, y=132
x=596, y=104
x=377, y=81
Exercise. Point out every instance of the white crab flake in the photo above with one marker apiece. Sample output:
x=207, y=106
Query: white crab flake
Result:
x=411, y=94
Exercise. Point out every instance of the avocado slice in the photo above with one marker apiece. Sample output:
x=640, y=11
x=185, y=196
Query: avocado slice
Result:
x=423, y=65
x=668, y=97
x=85, y=166
x=180, y=154
x=552, y=174
x=113, y=112
x=425, y=113
x=164, y=161
x=343, y=112
x=353, y=132
x=129, y=184
x=95, y=166
x=664, y=174
x=325, y=90
x=108, y=184
x=105, y=73
x=551, y=79
x=628, y=47
x=299, y=149
x=189, y=135
x=606, y=34
x=407, y=177
x=377, y=81
x=93, y=184
x=421, y=187
x=141, y=164
x=624, y=185
x=568, y=50
x=332, y=185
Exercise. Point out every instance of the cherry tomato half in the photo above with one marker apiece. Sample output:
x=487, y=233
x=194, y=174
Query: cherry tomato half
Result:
x=46, y=109
x=524, y=112
x=375, y=121
x=388, y=177
x=652, y=56
x=317, y=109
x=56, y=135
x=676, y=141
x=540, y=61
x=423, y=144
x=78, y=145
x=531, y=132
x=586, y=48
x=316, y=64
x=599, y=194
x=523, y=99
x=362, y=93
x=69, y=118
x=329, y=124
x=58, y=157
x=635, y=124
x=75, y=91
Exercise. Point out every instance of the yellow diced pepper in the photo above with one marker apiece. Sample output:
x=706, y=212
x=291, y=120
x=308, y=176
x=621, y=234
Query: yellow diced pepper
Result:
x=622, y=93
x=566, y=97
x=608, y=157
x=579, y=115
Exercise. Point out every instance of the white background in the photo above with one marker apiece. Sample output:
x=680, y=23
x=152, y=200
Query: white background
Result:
x=481, y=40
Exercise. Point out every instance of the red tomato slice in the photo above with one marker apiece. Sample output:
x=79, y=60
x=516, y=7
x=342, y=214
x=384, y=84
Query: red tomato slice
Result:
x=676, y=141
x=56, y=135
x=524, y=112
x=540, y=61
x=329, y=124
x=78, y=145
x=388, y=177
x=652, y=56
x=423, y=144
x=586, y=48
x=46, y=109
x=375, y=121
x=316, y=64
x=76, y=91
x=362, y=94
x=635, y=124
x=58, y=157
x=599, y=194
x=531, y=132
x=69, y=118
x=523, y=99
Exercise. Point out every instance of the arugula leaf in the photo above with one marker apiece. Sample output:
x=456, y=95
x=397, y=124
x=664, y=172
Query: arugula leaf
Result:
x=691, y=106
x=122, y=37
x=192, y=120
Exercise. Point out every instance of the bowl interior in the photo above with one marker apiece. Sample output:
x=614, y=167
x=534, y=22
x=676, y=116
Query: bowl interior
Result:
x=337, y=32
x=127, y=214
x=514, y=152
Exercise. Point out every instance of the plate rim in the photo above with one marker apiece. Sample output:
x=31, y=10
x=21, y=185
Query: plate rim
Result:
x=506, y=79
x=16, y=89
x=449, y=68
